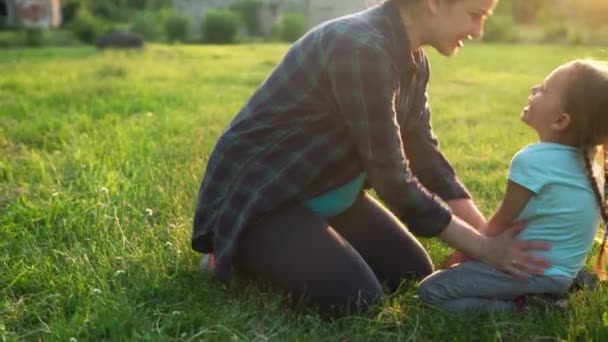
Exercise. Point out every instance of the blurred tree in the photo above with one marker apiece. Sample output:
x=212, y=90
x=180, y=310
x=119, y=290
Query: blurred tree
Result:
x=249, y=11
x=593, y=12
x=148, y=24
x=69, y=10
x=136, y=4
x=527, y=11
x=108, y=10
x=86, y=27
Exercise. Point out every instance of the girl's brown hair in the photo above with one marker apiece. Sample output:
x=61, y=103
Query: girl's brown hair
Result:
x=586, y=101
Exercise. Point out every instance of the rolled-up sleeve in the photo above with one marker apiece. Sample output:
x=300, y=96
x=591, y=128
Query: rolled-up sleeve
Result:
x=365, y=82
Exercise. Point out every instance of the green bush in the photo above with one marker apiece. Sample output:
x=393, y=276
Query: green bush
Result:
x=527, y=11
x=220, y=26
x=148, y=25
x=176, y=27
x=10, y=39
x=499, y=29
x=86, y=27
x=33, y=36
x=556, y=32
x=249, y=11
x=137, y=4
x=292, y=27
x=598, y=37
x=576, y=37
x=105, y=9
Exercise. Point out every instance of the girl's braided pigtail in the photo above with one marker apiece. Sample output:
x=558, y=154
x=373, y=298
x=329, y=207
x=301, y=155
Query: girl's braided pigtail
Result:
x=600, y=268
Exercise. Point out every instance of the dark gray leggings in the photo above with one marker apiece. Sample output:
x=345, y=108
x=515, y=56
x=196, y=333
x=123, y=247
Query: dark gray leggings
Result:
x=336, y=264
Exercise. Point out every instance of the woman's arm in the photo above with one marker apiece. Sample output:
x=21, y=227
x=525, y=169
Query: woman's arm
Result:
x=502, y=251
x=515, y=199
x=467, y=211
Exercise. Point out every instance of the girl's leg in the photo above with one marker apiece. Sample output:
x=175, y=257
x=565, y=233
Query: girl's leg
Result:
x=297, y=251
x=391, y=251
x=475, y=286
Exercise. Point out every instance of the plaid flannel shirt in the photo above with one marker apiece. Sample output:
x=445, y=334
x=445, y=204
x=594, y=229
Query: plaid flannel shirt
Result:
x=349, y=96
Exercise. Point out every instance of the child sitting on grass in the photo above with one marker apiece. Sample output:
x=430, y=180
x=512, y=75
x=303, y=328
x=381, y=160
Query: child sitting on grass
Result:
x=551, y=187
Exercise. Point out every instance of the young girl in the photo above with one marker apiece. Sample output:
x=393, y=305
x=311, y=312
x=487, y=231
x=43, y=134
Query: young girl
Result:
x=551, y=187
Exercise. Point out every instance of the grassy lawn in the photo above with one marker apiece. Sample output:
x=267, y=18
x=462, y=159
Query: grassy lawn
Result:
x=101, y=155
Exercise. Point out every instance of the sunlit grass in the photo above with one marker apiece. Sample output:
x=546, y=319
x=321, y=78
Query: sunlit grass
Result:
x=101, y=155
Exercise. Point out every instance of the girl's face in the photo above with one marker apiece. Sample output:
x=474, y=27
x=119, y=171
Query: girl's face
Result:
x=456, y=21
x=544, y=103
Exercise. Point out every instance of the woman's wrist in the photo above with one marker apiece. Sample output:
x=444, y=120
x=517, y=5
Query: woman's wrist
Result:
x=461, y=236
x=466, y=210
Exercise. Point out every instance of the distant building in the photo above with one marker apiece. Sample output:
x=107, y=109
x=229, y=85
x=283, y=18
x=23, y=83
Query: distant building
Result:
x=30, y=13
x=317, y=11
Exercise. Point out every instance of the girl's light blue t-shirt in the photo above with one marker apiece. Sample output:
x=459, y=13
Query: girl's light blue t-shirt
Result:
x=563, y=210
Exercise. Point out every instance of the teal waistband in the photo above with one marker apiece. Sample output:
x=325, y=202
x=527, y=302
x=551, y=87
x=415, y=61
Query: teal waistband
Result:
x=337, y=200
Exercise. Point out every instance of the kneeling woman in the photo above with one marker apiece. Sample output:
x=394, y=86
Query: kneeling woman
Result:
x=346, y=109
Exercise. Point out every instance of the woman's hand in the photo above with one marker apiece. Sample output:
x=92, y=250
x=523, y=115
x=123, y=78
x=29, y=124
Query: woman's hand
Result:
x=502, y=251
x=512, y=256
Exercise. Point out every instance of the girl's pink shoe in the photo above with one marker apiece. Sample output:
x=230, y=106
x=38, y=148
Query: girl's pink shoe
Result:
x=207, y=263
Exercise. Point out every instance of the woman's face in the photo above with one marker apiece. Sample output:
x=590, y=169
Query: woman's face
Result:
x=457, y=21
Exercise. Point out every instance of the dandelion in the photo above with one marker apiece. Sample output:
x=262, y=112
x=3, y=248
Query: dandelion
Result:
x=97, y=291
x=73, y=339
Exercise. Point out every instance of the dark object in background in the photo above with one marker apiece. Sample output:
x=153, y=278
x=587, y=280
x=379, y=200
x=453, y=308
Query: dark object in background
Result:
x=119, y=40
x=585, y=280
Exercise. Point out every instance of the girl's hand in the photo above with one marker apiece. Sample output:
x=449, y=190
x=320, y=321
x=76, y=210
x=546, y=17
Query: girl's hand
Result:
x=512, y=256
x=457, y=257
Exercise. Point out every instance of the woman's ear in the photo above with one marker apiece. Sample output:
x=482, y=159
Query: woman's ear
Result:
x=561, y=122
x=433, y=5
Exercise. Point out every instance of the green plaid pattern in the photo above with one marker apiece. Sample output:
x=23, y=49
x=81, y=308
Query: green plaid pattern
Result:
x=349, y=96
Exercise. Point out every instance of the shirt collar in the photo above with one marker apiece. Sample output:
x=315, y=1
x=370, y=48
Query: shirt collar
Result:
x=398, y=36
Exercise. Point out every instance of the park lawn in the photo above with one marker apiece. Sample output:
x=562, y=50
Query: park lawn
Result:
x=101, y=155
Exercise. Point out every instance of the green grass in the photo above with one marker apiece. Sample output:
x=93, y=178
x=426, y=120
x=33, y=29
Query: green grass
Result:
x=101, y=155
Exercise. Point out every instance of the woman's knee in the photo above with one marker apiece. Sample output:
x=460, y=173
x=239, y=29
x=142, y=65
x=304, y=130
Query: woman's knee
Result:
x=354, y=299
x=424, y=268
